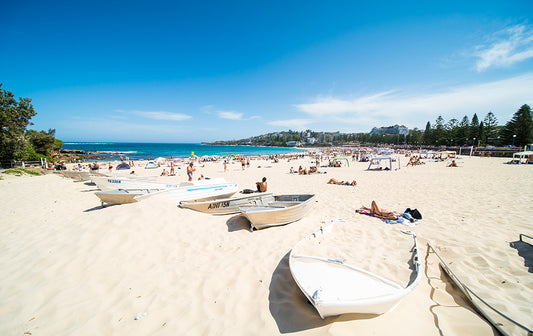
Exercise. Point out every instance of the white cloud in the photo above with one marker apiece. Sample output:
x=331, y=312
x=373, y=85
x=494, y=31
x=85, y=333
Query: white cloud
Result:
x=507, y=47
x=162, y=115
x=501, y=97
x=157, y=115
x=296, y=124
x=325, y=106
x=230, y=115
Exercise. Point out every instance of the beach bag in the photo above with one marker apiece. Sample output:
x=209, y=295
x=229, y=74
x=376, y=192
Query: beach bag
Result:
x=415, y=213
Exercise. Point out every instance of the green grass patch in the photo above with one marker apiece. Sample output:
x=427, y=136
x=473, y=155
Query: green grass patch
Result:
x=20, y=172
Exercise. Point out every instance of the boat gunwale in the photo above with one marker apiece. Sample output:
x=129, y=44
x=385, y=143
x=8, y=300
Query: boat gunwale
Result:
x=391, y=298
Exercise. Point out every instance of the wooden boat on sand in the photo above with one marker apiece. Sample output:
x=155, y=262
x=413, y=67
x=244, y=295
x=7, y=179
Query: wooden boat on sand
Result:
x=225, y=206
x=335, y=287
x=283, y=209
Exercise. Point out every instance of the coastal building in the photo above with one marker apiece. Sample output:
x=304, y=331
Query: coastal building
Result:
x=396, y=129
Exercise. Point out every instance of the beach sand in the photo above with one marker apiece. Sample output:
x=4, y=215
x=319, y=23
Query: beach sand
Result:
x=70, y=267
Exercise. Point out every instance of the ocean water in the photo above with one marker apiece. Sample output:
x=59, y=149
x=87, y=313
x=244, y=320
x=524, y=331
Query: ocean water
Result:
x=143, y=151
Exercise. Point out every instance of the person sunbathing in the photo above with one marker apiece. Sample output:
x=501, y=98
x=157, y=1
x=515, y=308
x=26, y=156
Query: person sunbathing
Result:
x=380, y=213
x=334, y=181
x=453, y=164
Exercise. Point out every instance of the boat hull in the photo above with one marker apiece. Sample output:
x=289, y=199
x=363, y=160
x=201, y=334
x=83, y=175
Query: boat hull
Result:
x=336, y=288
x=185, y=191
x=284, y=210
x=196, y=192
x=115, y=197
x=225, y=206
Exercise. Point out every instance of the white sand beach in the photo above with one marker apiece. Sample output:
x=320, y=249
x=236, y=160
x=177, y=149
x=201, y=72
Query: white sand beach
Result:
x=70, y=267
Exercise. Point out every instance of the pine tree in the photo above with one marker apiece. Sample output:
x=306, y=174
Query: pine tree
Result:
x=490, y=122
x=521, y=125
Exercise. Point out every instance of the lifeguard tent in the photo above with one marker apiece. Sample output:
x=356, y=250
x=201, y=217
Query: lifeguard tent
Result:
x=384, y=162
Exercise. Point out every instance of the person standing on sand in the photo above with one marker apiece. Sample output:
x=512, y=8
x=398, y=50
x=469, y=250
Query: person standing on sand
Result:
x=172, y=168
x=190, y=170
x=225, y=165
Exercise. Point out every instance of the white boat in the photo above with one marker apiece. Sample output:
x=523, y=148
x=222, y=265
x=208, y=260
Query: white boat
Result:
x=335, y=287
x=146, y=182
x=282, y=210
x=185, y=191
x=199, y=190
x=227, y=206
x=122, y=196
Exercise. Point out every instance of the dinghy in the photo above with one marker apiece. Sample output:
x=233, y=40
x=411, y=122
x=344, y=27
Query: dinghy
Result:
x=227, y=206
x=122, y=196
x=145, y=182
x=185, y=191
x=335, y=287
x=282, y=210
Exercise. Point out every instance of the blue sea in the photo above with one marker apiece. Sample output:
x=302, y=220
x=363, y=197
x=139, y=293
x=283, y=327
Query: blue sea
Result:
x=143, y=151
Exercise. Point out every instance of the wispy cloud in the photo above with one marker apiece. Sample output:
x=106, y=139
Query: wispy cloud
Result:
x=230, y=115
x=296, y=124
x=327, y=106
x=412, y=109
x=162, y=115
x=506, y=47
x=158, y=115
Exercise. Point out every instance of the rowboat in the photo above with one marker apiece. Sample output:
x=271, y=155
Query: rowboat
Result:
x=145, y=182
x=282, y=210
x=198, y=190
x=225, y=206
x=335, y=287
x=194, y=190
x=122, y=196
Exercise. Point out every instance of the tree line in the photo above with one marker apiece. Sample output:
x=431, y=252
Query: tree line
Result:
x=16, y=142
x=516, y=132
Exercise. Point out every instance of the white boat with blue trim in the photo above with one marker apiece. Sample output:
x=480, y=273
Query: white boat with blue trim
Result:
x=195, y=190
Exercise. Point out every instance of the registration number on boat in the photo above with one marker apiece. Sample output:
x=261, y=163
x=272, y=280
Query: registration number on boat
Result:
x=217, y=205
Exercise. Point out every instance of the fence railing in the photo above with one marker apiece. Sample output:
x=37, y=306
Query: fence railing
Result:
x=22, y=164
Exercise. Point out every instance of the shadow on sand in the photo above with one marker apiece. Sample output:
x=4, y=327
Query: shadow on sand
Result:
x=525, y=250
x=238, y=222
x=290, y=308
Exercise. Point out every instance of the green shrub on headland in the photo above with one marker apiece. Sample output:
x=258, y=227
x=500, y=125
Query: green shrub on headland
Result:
x=20, y=172
x=17, y=143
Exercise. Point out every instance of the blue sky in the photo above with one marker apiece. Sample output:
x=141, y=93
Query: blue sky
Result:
x=191, y=71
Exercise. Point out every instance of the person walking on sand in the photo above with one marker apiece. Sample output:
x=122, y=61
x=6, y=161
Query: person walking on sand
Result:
x=190, y=170
x=225, y=165
x=172, y=168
